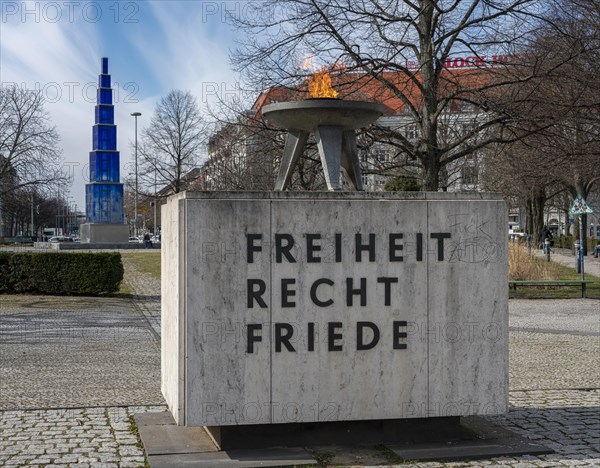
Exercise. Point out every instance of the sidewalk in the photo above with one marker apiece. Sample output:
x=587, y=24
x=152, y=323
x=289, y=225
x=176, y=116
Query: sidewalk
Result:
x=72, y=372
x=565, y=257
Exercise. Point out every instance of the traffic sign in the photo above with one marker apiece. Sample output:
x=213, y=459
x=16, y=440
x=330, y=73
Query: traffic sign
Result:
x=580, y=207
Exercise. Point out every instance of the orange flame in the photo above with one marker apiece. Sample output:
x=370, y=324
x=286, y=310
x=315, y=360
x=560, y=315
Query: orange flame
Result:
x=319, y=85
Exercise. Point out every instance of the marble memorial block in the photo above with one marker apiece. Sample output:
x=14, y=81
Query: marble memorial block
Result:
x=310, y=307
x=468, y=310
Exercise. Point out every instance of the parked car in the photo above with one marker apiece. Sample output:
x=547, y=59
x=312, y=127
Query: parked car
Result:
x=135, y=240
x=60, y=239
x=515, y=235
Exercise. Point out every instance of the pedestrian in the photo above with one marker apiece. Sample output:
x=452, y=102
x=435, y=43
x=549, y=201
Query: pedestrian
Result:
x=546, y=234
x=147, y=241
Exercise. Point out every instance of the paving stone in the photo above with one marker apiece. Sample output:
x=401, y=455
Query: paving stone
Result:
x=116, y=359
x=575, y=449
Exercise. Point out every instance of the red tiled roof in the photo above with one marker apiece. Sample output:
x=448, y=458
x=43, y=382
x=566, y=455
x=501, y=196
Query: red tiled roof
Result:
x=354, y=86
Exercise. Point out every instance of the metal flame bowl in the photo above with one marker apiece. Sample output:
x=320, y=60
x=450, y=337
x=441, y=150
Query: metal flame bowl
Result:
x=309, y=114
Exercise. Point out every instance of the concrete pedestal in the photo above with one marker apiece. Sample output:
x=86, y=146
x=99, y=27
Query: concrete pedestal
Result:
x=283, y=307
x=350, y=433
x=90, y=233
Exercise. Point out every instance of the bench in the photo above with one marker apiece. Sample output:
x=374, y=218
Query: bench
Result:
x=514, y=283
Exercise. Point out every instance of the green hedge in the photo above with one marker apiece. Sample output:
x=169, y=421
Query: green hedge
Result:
x=566, y=242
x=60, y=272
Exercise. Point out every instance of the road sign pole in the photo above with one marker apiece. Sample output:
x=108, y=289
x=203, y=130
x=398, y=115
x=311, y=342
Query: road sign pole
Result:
x=580, y=207
x=581, y=249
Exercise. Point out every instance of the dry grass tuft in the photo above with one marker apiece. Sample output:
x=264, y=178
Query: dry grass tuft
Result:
x=524, y=266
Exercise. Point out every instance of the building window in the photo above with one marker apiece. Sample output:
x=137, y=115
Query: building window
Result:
x=380, y=154
x=469, y=175
x=411, y=132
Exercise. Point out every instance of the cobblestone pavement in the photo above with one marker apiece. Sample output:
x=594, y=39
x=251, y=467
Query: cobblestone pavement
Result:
x=82, y=437
x=146, y=291
x=567, y=421
x=58, y=352
x=554, y=344
x=554, y=397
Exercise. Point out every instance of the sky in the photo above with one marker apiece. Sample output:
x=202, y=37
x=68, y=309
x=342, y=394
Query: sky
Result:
x=152, y=46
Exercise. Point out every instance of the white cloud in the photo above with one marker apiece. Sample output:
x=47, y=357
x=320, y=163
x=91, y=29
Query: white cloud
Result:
x=194, y=50
x=182, y=46
x=56, y=58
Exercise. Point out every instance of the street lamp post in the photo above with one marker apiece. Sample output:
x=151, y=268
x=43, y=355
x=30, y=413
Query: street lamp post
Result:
x=68, y=215
x=155, y=228
x=135, y=215
x=32, y=221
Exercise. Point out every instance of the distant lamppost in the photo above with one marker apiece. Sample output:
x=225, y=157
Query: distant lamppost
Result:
x=135, y=215
x=155, y=228
x=32, y=220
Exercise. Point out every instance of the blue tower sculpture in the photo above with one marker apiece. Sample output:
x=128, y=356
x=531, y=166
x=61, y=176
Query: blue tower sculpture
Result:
x=104, y=193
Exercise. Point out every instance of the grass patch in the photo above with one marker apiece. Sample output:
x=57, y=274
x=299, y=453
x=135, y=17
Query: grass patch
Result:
x=561, y=292
x=389, y=456
x=323, y=458
x=133, y=428
x=146, y=262
x=124, y=290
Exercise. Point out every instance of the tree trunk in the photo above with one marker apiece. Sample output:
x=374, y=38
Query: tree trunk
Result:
x=431, y=175
x=428, y=146
x=567, y=223
x=538, y=202
x=529, y=218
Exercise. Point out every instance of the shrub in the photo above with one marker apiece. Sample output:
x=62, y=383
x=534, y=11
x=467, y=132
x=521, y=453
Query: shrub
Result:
x=60, y=272
x=403, y=184
x=565, y=242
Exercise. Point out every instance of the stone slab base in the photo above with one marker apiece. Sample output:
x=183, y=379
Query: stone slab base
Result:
x=104, y=233
x=374, y=432
x=278, y=457
x=169, y=445
x=486, y=440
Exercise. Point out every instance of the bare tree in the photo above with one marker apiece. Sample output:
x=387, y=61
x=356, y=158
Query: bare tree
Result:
x=406, y=48
x=29, y=155
x=173, y=143
x=561, y=103
x=573, y=87
x=523, y=173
